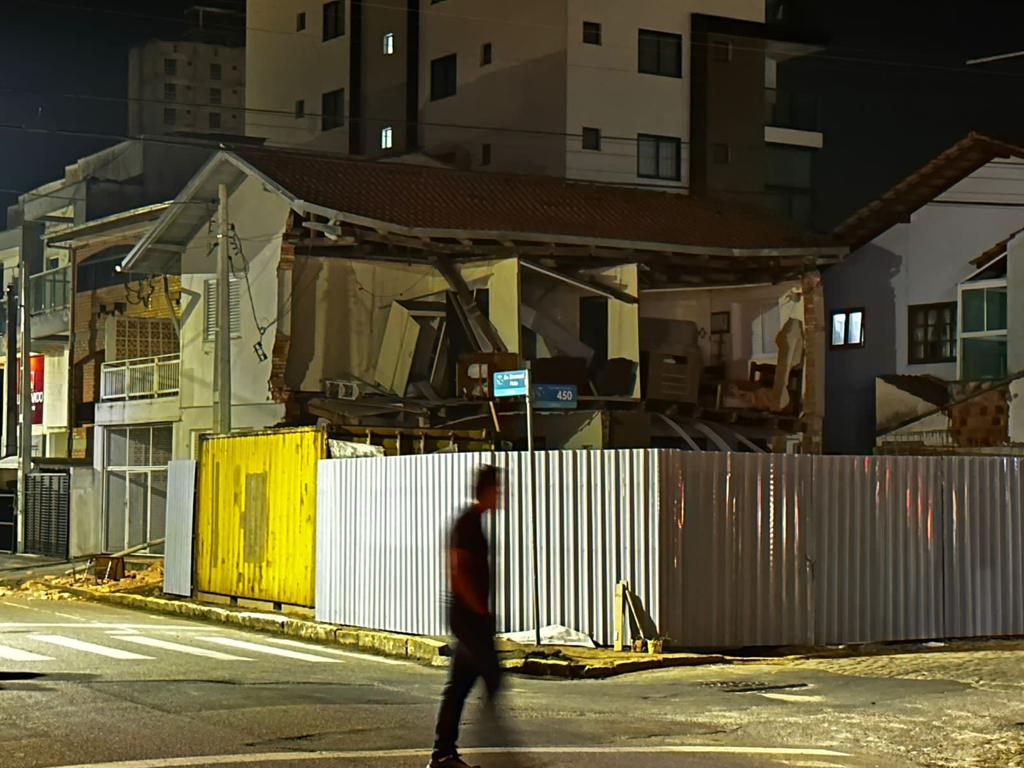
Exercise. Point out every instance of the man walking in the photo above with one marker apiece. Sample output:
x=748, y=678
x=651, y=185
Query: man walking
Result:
x=471, y=620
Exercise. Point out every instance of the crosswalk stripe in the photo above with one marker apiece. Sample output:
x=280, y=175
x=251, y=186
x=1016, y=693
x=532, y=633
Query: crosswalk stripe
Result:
x=153, y=642
x=99, y=650
x=257, y=648
x=16, y=654
x=336, y=651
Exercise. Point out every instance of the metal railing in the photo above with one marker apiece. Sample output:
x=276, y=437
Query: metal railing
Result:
x=50, y=290
x=141, y=378
x=787, y=109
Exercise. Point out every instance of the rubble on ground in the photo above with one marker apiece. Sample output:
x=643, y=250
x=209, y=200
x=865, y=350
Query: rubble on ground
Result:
x=146, y=582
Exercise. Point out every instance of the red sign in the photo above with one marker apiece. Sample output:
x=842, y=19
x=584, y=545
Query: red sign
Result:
x=36, y=366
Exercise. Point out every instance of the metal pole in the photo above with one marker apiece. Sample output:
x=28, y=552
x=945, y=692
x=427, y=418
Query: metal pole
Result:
x=533, y=503
x=25, y=453
x=11, y=379
x=223, y=396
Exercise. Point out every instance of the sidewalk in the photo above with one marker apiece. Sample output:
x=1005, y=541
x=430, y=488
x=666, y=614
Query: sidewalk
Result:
x=142, y=590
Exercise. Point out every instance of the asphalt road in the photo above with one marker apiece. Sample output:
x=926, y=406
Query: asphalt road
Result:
x=89, y=685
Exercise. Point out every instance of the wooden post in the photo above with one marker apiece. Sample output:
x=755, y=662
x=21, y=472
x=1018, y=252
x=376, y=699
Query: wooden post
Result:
x=619, y=609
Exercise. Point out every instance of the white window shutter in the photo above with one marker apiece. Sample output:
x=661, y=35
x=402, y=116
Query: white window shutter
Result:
x=235, y=307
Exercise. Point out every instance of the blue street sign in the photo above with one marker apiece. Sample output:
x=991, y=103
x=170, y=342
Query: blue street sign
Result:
x=510, y=383
x=555, y=396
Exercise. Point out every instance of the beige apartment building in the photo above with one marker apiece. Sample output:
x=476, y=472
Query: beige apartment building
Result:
x=676, y=95
x=186, y=87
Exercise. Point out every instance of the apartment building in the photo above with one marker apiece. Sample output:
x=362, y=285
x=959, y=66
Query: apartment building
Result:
x=669, y=95
x=192, y=85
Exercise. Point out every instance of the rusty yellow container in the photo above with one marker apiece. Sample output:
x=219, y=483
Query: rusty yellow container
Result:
x=256, y=515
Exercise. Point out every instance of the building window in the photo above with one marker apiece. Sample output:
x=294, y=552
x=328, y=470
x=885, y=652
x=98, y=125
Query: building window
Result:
x=216, y=97
x=215, y=120
x=234, y=306
x=334, y=20
x=170, y=116
x=592, y=139
x=486, y=54
x=170, y=92
x=847, y=329
x=387, y=137
x=389, y=43
x=300, y=109
x=216, y=71
x=485, y=154
x=721, y=154
x=983, y=323
x=658, y=157
x=300, y=21
x=135, y=479
x=932, y=333
x=332, y=110
x=171, y=67
x=591, y=33
x=661, y=53
x=443, y=77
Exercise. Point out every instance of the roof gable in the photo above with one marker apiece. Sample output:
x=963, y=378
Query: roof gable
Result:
x=923, y=186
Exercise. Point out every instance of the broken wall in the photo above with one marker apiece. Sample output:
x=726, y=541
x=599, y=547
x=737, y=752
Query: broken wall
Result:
x=340, y=310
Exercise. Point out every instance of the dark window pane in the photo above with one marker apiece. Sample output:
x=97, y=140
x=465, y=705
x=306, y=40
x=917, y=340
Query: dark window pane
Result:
x=592, y=139
x=647, y=157
x=995, y=304
x=984, y=358
x=333, y=110
x=660, y=53
x=974, y=310
x=591, y=33
x=443, y=77
x=334, y=19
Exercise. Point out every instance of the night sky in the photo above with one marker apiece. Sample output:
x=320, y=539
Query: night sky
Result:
x=894, y=88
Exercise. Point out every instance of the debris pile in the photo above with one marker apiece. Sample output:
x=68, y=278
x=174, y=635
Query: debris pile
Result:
x=148, y=582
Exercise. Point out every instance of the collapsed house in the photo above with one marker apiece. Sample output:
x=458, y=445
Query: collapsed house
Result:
x=379, y=299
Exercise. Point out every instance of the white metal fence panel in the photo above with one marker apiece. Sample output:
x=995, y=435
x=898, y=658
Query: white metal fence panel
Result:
x=181, y=489
x=383, y=523
x=735, y=566
x=878, y=548
x=984, y=545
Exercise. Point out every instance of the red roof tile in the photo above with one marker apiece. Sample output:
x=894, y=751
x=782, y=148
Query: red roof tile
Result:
x=438, y=198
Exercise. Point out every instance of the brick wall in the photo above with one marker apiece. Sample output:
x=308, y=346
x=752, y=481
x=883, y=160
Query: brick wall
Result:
x=152, y=302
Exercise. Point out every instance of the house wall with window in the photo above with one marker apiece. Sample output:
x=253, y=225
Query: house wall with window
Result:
x=292, y=62
x=910, y=267
x=508, y=114
x=259, y=218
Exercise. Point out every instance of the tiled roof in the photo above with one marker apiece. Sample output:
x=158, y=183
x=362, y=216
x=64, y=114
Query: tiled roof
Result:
x=993, y=253
x=921, y=187
x=428, y=198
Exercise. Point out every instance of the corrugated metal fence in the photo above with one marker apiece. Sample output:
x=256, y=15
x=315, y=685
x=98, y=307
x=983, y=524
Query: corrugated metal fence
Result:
x=725, y=550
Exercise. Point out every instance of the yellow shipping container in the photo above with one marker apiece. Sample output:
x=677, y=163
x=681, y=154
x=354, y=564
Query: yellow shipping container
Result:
x=256, y=516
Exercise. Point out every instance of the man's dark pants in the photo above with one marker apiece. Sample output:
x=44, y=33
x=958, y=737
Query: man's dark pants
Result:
x=474, y=657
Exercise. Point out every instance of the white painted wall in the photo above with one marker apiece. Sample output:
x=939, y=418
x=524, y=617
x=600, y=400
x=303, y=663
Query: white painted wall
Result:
x=283, y=66
x=605, y=90
x=259, y=218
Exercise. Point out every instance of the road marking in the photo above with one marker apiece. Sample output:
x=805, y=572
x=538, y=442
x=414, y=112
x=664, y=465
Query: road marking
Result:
x=16, y=654
x=283, y=757
x=153, y=642
x=793, y=698
x=257, y=648
x=100, y=625
x=336, y=651
x=99, y=650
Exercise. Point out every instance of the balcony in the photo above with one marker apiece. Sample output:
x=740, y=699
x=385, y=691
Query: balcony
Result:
x=795, y=111
x=50, y=291
x=143, y=378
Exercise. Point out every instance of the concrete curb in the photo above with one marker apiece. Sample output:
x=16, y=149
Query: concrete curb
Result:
x=428, y=651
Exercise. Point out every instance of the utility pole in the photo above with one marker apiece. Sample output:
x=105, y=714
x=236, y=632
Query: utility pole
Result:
x=11, y=377
x=25, y=453
x=222, y=412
